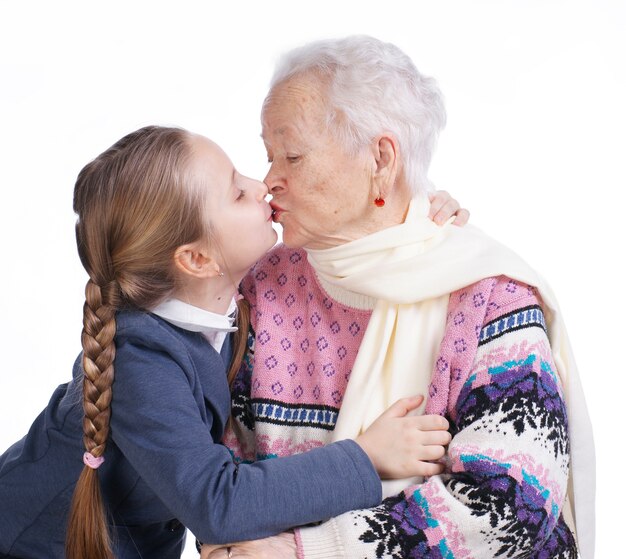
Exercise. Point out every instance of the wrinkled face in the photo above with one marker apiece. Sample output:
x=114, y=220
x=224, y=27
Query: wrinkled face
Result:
x=320, y=192
x=237, y=211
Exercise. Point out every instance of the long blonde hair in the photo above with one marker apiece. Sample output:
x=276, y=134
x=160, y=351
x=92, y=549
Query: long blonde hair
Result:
x=136, y=204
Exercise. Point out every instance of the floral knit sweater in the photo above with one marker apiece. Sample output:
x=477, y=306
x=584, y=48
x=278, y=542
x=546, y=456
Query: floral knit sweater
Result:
x=494, y=380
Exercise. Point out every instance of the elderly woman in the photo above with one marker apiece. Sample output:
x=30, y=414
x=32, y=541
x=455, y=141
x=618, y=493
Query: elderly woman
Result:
x=368, y=301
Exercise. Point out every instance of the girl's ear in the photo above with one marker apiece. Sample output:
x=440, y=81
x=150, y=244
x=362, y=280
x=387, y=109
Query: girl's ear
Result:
x=384, y=150
x=194, y=260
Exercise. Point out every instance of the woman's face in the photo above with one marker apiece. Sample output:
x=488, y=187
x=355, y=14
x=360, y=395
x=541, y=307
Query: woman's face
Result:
x=237, y=211
x=321, y=194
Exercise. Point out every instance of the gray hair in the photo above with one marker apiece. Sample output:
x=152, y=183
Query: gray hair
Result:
x=373, y=87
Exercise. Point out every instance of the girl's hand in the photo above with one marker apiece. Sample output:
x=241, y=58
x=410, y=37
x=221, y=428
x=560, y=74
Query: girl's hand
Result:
x=282, y=546
x=402, y=446
x=443, y=207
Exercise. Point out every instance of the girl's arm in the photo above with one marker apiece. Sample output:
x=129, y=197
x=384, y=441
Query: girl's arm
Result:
x=443, y=207
x=165, y=427
x=159, y=427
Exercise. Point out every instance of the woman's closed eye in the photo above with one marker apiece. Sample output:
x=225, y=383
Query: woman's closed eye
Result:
x=241, y=194
x=293, y=158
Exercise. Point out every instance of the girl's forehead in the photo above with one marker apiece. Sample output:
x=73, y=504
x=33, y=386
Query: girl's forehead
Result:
x=202, y=144
x=209, y=160
x=208, y=150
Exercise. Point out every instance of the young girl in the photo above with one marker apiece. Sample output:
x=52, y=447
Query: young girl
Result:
x=166, y=230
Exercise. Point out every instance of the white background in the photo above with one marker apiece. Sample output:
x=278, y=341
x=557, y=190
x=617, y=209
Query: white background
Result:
x=534, y=147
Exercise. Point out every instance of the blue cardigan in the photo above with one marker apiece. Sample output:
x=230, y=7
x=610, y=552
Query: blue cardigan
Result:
x=165, y=467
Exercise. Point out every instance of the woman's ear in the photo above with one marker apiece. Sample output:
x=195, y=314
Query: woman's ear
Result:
x=194, y=260
x=385, y=165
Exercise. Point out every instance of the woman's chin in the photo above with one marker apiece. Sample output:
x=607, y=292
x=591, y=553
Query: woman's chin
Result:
x=293, y=238
x=293, y=241
x=273, y=241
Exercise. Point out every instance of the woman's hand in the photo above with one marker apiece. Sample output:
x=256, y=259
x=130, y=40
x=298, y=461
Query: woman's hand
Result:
x=443, y=207
x=282, y=546
x=400, y=445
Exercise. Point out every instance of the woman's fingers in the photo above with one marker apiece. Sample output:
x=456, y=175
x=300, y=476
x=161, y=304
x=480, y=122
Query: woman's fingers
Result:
x=213, y=552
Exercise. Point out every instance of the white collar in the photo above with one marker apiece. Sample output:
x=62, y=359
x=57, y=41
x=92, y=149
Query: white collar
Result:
x=195, y=319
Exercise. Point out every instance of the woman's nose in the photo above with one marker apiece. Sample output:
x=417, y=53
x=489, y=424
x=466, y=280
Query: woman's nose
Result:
x=274, y=183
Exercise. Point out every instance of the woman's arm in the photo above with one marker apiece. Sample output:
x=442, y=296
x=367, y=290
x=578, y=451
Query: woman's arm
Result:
x=505, y=484
x=508, y=461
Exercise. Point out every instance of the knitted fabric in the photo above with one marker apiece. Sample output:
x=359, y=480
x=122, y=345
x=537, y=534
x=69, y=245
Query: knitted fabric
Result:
x=494, y=379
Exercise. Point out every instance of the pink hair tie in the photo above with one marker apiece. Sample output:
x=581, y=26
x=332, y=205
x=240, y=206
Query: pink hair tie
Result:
x=91, y=461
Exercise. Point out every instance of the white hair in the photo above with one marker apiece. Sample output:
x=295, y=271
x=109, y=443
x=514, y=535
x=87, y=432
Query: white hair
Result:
x=372, y=88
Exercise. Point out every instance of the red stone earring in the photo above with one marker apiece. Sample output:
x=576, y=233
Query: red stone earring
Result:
x=379, y=202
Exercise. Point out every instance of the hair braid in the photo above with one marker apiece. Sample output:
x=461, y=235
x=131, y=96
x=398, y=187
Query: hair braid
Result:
x=98, y=355
x=241, y=339
x=89, y=535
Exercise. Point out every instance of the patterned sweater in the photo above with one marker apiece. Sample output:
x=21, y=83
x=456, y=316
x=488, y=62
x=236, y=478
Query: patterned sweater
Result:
x=494, y=380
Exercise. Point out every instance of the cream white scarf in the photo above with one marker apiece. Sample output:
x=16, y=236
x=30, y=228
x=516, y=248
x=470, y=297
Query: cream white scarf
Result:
x=411, y=269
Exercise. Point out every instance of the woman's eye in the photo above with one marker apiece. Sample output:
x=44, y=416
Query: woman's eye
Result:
x=241, y=195
x=293, y=158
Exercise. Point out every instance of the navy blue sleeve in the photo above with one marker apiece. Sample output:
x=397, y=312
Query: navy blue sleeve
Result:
x=158, y=426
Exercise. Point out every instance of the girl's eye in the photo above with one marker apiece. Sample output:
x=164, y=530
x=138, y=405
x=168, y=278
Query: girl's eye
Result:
x=293, y=158
x=241, y=195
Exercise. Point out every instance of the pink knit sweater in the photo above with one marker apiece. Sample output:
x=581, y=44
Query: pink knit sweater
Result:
x=494, y=380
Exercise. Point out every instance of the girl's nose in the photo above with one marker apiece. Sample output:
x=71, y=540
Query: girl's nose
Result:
x=262, y=191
